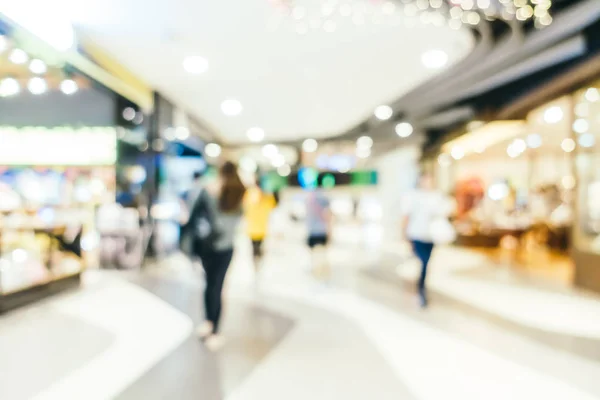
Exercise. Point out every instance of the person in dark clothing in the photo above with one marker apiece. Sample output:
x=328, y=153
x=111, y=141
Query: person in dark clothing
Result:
x=226, y=209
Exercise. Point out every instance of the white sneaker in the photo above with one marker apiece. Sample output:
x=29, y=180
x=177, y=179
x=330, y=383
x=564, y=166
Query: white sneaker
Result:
x=214, y=342
x=204, y=330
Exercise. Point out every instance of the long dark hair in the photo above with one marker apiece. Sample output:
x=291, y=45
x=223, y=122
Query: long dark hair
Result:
x=232, y=188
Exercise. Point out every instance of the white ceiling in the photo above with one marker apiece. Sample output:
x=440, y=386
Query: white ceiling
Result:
x=291, y=85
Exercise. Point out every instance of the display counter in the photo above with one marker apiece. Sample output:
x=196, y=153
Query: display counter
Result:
x=37, y=261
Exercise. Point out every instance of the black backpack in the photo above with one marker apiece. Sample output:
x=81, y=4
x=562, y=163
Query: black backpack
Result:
x=202, y=225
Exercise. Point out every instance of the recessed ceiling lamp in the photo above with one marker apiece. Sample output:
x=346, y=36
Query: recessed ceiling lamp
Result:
x=38, y=67
x=284, y=170
x=581, y=125
x=195, y=65
x=182, y=133
x=404, y=129
x=310, y=146
x=18, y=56
x=212, y=150
x=278, y=160
x=9, y=87
x=270, y=150
x=444, y=160
x=592, y=95
x=37, y=85
x=255, y=134
x=363, y=152
x=128, y=114
x=457, y=153
x=568, y=145
x=231, y=107
x=364, y=142
x=434, y=59
x=384, y=112
x=553, y=115
x=69, y=87
x=587, y=140
x=534, y=141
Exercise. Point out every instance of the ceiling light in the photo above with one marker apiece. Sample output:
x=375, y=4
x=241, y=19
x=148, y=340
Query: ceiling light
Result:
x=512, y=151
x=255, y=134
x=182, y=133
x=568, y=145
x=457, y=153
x=278, y=160
x=38, y=67
x=195, y=64
x=128, y=114
x=363, y=152
x=404, y=129
x=587, y=140
x=9, y=87
x=270, y=150
x=37, y=85
x=284, y=170
x=581, y=125
x=364, y=142
x=384, y=112
x=68, y=87
x=310, y=146
x=231, y=107
x=592, y=95
x=434, y=59
x=534, y=141
x=520, y=145
x=212, y=150
x=553, y=115
x=444, y=160
x=169, y=134
x=18, y=56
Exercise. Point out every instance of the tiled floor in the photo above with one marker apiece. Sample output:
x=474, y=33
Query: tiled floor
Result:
x=356, y=335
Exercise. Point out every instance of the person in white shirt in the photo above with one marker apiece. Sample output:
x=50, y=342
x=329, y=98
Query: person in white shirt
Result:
x=421, y=208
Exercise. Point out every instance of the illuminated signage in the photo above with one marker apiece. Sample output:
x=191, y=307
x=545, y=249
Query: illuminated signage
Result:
x=58, y=146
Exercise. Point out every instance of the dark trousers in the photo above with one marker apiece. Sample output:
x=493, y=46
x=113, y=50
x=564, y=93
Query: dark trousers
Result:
x=215, y=265
x=423, y=252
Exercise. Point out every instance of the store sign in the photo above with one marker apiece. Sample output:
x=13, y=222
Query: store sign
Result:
x=58, y=146
x=44, y=19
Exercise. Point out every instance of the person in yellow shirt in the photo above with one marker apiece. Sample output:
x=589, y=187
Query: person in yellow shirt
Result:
x=257, y=207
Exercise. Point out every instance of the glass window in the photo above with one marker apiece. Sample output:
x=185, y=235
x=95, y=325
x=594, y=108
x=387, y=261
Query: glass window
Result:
x=587, y=130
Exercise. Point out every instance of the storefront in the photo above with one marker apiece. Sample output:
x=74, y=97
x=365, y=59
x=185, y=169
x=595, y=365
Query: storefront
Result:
x=586, y=235
x=59, y=135
x=532, y=186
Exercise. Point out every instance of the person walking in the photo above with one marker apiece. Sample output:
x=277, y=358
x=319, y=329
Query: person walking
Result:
x=318, y=220
x=214, y=220
x=422, y=208
x=258, y=206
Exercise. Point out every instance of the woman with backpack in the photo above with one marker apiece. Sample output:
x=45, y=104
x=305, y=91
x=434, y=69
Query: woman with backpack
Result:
x=213, y=223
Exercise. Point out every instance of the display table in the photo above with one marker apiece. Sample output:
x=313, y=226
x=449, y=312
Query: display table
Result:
x=40, y=264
